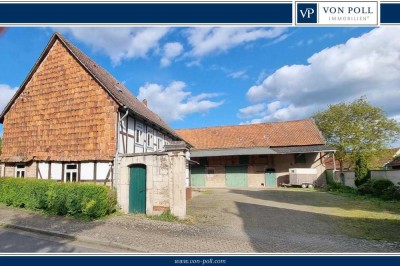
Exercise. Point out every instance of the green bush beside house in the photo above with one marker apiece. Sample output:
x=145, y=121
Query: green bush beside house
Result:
x=377, y=188
x=87, y=201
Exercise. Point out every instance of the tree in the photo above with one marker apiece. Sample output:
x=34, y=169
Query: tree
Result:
x=1, y=144
x=356, y=128
x=361, y=169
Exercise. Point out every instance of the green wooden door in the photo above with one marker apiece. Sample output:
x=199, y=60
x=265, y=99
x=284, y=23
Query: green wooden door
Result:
x=198, y=177
x=137, y=189
x=236, y=176
x=270, y=179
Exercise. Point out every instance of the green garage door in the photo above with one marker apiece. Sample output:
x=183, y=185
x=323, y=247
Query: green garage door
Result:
x=198, y=176
x=236, y=176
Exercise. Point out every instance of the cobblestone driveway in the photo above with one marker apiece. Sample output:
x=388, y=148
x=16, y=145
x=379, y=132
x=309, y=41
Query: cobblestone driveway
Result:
x=225, y=221
x=279, y=220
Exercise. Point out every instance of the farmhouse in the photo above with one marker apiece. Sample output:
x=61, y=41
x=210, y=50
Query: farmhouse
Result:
x=258, y=155
x=71, y=121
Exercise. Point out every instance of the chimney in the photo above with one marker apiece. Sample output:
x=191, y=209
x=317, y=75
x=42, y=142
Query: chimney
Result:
x=145, y=102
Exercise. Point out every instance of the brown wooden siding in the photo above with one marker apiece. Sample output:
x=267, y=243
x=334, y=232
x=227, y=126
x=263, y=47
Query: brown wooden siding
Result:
x=63, y=114
x=233, y=160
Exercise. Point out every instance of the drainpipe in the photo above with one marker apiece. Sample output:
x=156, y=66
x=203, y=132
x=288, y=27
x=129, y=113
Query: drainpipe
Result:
x=117, y=150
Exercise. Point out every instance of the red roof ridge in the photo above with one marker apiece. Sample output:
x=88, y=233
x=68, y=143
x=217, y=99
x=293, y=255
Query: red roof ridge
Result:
x=302, y=132
x=243, y=125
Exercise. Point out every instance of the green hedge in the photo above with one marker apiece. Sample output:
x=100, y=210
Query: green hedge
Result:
x=74, y=199
x=382, y=188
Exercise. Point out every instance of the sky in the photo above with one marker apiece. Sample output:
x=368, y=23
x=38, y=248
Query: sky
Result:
x=212, y=76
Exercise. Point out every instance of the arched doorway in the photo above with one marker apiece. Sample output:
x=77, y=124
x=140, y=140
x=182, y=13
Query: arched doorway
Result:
x=137, y=188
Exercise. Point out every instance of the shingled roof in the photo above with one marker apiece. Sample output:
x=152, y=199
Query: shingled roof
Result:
x=277, y=134
x=122, y=96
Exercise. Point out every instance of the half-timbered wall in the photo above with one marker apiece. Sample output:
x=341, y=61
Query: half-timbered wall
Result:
x=136, y=136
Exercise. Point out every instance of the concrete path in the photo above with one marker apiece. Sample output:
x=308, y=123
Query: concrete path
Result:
x=224, y=222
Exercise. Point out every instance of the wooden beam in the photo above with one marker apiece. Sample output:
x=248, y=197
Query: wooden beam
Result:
x=62, y=171
x=134, y=135
x=79, y=172
x=95, y=171
x=49, y=176
x=37, y=170
x=126, y=130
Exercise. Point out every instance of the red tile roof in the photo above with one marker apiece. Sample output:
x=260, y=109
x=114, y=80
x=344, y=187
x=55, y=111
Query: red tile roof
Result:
x=277, y=134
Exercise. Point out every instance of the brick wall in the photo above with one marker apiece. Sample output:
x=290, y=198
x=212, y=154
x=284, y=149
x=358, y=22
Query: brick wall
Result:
x=30, y=170
x=10, y=170
x=63, y=114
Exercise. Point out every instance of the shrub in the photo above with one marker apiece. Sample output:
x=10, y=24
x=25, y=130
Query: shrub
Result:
x=391, y=193
x=334, y=186
x=361, y=170
x=338, y=187
x=74, y=199
x=382, y=188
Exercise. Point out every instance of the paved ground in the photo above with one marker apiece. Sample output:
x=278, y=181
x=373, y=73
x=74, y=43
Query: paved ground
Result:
x=17, y=241
x=223, y=221
x=284, y=220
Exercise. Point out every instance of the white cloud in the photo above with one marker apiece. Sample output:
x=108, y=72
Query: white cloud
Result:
x=171, y=50
x=6, y=92
x=205, y=41
x=368, y=65
x=238, y=74
x=118, y=43
x=229, y=72
x=252, y=110
x=173, y=102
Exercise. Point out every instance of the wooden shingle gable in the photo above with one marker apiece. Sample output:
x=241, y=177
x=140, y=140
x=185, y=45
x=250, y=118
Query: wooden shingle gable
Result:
x=60, y=113
x=122, y=96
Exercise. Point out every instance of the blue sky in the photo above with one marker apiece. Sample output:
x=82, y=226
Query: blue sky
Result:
x=197, y=77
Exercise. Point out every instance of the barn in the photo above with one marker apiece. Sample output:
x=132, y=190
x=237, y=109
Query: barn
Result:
x=256, y=155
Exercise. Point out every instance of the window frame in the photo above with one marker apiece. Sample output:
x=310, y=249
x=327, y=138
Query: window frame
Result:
x=140, y=133
x=20, y=171
x=150, y=140
x=71, y=171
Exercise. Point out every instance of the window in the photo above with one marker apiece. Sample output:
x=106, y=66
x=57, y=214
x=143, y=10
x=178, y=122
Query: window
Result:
x=150, y=142
x=20, y=170
x=71, y=173
x=243, y=159
x=160, y=144
x=139, y=137
x=300, y=158
x=203, y=161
